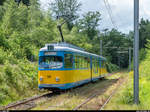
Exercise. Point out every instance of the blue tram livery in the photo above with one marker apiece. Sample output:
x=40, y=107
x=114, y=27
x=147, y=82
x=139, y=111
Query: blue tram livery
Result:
x=63, y=66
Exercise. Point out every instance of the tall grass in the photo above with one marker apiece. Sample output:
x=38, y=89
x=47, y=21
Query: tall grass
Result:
x=125, y=98
x=16, y=81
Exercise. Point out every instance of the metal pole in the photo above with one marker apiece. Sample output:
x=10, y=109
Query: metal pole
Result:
x=60, y=31
x=129, y=59
x=136, y=51
x=101, y=47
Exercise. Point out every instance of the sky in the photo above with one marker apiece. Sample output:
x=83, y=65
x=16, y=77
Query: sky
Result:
x=122, y=12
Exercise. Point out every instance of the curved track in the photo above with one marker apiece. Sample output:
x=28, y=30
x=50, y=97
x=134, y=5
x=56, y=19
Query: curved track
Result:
x=104, y=101
x=26, y=103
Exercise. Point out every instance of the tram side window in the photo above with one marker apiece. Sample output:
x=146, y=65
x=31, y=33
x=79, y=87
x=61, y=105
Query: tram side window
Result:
x=85, y=62
x=76, y=62
x=97, y=65
x=88, y=62
x=81, y=62
x=102, y=64
x=68, y=61
x=93, y=65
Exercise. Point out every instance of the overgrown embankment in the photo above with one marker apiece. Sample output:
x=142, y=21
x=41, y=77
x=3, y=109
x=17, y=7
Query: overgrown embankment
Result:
x=123, y=100
x=17, y=81
x=23, y=32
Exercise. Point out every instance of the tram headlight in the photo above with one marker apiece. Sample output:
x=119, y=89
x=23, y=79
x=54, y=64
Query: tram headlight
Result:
x=41, y=78
x=57, y=79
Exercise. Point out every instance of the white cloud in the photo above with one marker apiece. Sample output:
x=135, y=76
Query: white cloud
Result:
x=122, y=12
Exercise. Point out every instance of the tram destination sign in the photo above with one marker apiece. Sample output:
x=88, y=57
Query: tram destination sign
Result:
x=50, y=53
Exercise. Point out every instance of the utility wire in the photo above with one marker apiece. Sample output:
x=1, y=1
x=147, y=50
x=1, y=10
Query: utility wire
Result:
x=110, y=13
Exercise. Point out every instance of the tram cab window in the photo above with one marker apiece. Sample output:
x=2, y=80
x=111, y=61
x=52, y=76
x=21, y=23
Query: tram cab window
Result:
x=68, y=61
x=51, y=62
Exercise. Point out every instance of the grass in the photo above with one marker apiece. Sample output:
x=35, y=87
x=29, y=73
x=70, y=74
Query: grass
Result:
x=69, y=100
x=123, y=99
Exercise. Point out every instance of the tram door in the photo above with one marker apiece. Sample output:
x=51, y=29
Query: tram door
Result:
x=95, y=68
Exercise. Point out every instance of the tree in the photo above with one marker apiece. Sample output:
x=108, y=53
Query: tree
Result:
x=2, y=1
x=66, y=9
x=89, y=23
x=26, y=2
x=114, y=41
x=144, y=32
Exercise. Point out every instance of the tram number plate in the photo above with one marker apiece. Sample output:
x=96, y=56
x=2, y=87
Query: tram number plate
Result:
x=50, y=53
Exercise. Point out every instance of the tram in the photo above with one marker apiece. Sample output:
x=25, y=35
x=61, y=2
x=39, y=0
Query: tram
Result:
x=63, y=66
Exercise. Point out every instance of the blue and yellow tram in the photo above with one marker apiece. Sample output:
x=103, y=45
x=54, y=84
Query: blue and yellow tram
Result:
x=63, y=66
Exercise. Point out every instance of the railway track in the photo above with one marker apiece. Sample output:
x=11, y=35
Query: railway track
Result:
x=26, y=104
x=30, y=103
x=104, y=101
x=111, y=95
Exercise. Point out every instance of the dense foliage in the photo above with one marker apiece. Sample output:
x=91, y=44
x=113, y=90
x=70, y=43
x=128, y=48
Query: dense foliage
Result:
x=126, y=95
x=23, y=31
x=66, y=9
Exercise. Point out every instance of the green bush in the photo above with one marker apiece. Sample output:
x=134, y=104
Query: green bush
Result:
x=111, y=67
x=2, y=56
x=3, y=41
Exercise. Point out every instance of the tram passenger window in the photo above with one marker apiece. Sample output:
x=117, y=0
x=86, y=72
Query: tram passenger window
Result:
x=76, y=62
x=85, y=62
x=68, y=61
x=102, y=64
x=88, y=62
x=93, y=65
x=80, y=62
x=96, y=70
x=97, y=65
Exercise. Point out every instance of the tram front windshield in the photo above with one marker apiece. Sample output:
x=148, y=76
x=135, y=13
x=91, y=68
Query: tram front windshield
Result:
x=51, y=62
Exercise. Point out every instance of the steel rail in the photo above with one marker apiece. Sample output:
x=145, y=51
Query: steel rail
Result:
x=90, y=97
x=109, y=98
x=12, y=105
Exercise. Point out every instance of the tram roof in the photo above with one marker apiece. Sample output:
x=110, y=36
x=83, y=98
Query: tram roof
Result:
x=70, y=48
